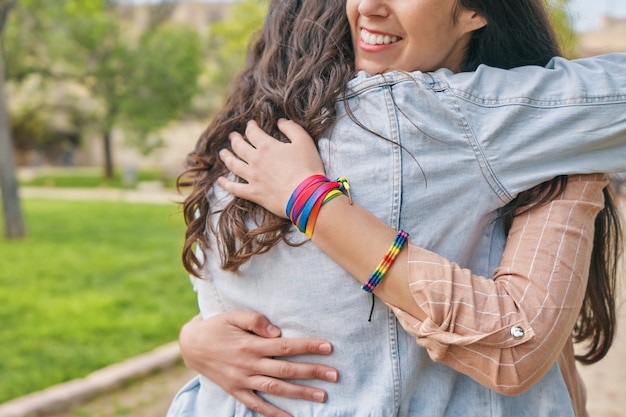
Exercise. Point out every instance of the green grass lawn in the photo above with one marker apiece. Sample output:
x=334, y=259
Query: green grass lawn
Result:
x=94, y=283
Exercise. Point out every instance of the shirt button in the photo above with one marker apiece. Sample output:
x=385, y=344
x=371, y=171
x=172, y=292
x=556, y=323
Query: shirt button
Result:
x=517, y=332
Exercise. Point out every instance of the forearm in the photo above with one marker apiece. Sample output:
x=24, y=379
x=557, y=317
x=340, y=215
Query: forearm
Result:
x=357, y=240
x=538, y=289
x=466, y=320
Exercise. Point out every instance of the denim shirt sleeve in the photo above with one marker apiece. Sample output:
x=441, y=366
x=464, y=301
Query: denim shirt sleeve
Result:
x=530, y=124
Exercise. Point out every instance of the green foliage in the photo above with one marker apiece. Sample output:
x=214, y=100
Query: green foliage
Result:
x=167, y=58
x=139, y=83
x=34, y=129
x=232, y=35
x=562, y=21
x=229, y=40
x=28, y=130
x=91, y=8
x=95, y=283
x=31, y=42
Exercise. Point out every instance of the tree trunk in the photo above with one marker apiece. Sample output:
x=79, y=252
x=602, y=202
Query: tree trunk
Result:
x=108, y=155
x=13, y=219
x=5, y=7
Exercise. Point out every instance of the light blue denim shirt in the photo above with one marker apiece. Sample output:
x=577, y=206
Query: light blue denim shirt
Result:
x=447, y=152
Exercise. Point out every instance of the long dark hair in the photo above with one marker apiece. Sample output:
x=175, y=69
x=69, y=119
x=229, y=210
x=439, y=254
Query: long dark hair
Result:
x=519, y=33
x=298, y=66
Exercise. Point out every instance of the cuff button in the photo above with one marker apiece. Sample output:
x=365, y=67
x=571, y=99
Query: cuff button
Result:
x=517, y=332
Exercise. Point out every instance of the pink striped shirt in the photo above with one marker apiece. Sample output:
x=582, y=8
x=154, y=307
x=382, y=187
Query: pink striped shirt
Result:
x=508, y=331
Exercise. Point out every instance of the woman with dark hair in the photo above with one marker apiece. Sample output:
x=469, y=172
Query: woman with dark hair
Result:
x=482, y=126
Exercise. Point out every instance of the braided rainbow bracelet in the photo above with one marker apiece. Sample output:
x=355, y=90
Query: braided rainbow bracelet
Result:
x=386, y=262
x=309, y=196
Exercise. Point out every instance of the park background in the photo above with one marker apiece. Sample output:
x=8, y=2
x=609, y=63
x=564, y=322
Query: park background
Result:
x=90, y=273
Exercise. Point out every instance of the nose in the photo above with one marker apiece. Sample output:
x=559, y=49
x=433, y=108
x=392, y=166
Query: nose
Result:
x=373, y=8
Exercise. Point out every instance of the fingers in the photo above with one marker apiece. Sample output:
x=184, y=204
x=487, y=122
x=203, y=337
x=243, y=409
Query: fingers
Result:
x=235, y=164
x=293, y=131
x=292, y=347
x=283, y=388
x=247, y=359
x=259, y=325
x=257, y=136
x=237, y=167
x=295, y=370
x=255, y=403
x=242, y=148
x=242, y=153
x=252, y=322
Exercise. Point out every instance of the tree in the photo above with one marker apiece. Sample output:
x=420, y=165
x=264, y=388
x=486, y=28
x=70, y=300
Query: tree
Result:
x=13, y=218
x=140, y=83
x=228, y=44
x=163, y=75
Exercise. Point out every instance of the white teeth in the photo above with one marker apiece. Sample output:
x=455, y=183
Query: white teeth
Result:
x=371, y=39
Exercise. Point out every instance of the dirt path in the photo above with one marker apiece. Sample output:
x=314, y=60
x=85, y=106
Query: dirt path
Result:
x=148, y=397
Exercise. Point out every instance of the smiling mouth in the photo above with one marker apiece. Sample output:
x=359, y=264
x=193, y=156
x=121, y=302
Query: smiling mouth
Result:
x=377, y=39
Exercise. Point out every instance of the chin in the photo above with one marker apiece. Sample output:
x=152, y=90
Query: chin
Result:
x=372, y=70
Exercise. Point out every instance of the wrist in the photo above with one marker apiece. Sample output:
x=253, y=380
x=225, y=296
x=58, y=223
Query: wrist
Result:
x=306, y=201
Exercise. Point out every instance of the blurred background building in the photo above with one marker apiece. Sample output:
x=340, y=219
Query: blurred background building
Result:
x=610, y=36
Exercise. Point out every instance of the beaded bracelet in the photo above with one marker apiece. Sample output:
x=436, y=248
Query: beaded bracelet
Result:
x=386, y=262
x=307, y=199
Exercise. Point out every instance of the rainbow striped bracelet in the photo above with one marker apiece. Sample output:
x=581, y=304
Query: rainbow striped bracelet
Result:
x=307, y=199
x=386, y=262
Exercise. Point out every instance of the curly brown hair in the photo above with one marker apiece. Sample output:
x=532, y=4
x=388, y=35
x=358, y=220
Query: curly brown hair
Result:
x=297, y=67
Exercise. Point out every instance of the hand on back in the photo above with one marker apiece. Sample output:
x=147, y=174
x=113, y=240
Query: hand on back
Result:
x=272, y=169
x=236, y=350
